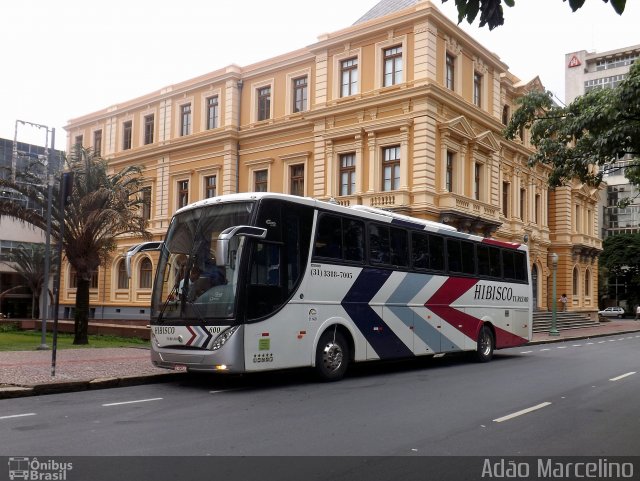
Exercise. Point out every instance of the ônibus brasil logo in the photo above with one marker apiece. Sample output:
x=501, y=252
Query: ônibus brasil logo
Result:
x=40, y=470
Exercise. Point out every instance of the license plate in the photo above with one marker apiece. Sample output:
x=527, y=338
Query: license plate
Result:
x=180, y=367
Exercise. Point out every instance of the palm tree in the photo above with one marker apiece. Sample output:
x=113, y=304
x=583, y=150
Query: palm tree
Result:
x=102, y=206
x=29, y=264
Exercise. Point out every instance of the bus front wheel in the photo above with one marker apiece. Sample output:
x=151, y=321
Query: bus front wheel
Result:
x=486, y=343
x=332, y=356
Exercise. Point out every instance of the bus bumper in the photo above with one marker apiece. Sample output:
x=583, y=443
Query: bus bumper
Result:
x=229, y=358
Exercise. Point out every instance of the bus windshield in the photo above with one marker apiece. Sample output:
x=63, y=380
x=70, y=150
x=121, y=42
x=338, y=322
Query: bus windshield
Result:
x=190, y=282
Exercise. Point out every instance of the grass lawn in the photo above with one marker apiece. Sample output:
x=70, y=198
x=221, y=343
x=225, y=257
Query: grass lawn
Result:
x=14, y=339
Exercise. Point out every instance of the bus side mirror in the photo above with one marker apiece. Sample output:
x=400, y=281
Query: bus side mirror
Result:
x=222, y=244
x=145, y=246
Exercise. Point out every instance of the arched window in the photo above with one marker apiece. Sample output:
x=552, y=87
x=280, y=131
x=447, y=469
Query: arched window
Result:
x=587, y=283
x=123, y=279
x=576, y=280
x=145, y=273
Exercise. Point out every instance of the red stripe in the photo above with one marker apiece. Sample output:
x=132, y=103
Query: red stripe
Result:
x=507, y=339
x=193, y=336
x=450, y=291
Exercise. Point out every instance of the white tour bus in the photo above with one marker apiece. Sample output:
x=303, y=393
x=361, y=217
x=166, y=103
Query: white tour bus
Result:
x=262, y=281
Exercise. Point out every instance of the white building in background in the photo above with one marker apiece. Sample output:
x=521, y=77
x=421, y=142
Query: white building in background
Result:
x=585, y=71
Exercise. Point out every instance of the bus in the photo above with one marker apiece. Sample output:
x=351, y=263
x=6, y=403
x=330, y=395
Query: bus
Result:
x=262, y=281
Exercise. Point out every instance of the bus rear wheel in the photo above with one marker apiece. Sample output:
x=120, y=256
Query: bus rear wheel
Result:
x=486, y=344
x=332, y=356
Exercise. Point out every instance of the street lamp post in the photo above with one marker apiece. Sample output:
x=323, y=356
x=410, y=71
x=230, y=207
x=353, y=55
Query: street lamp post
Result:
x=554, y=268
x=50, y=152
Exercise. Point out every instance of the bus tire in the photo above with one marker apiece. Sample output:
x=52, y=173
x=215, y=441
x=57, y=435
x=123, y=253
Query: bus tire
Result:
x=332, y=356
x=486, y=344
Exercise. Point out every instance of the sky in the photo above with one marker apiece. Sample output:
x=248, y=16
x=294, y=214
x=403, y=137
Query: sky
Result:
x=67, y=58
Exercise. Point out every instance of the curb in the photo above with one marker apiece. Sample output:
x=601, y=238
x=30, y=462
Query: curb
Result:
x=584, y=336
x=9, y=392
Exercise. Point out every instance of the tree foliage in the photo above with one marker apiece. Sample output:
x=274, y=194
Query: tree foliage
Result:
x=101, y=207
x=492, y=15
x=28, y=262
x=620, y=257
x=586, y=138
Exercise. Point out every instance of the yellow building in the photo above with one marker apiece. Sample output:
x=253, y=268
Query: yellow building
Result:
x=402, y=111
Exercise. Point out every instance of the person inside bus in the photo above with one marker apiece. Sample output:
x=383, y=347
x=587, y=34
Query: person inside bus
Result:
x=195, y=286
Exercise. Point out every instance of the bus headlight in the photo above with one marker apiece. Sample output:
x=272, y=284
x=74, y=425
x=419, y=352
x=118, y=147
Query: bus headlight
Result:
x=224, y=337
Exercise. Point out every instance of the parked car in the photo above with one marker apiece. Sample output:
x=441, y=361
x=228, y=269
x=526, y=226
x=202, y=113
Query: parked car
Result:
x=612, y=312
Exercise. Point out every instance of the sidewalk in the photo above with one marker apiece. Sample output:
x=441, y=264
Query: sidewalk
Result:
x=28, y=373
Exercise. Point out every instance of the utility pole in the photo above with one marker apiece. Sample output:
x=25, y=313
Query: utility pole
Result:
x=49, y=155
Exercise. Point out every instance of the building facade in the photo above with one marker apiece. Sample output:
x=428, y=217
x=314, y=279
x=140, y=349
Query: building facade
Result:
x=15, y=297
x=402, y=111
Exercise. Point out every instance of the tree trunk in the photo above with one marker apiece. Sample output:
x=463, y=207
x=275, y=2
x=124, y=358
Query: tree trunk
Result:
x=81, y=317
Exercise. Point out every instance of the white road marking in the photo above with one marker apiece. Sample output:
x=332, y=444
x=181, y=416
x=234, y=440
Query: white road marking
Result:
x=132, y=402
x=524, y=411
x=545, y=349
x=561, y=347
x=17, y=416
x=622, y=376
x=601, y=342
x=526, y=352
x=576, y=345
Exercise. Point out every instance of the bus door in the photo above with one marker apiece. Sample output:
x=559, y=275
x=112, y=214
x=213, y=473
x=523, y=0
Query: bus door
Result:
x=275, y=334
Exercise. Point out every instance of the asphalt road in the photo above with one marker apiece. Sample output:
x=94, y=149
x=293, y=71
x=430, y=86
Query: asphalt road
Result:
x=571, y=398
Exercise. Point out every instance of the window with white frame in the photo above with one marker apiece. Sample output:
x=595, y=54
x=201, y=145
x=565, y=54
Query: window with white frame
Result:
x=347, y=173
x=261, y=180
x=477, y=180
x=97, y=142
x=210, y=186
x=392, y=73
x=127, y=131
x=300, y=93
x=391, y=168
x=264, y=103
x=450, y=167
x=183, y=193
x=505, y=198
x=349, y=77
x=296, y=179
x=123, y=278
x=450, y=72
x=185, y=119
x=212, y=112
x=146, y=270
x=477, y=89
x=149, y=127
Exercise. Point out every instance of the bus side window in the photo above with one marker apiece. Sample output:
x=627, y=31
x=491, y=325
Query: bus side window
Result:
x=467, y=257
x=399, y=247
x=520, y=266
x=379, y=244
x=496, y=265
x=454, y=255
x=420, y=250
x=436, y=253
x=329, y=239
x=353, y=240
x=508, y=264
x=484, y=261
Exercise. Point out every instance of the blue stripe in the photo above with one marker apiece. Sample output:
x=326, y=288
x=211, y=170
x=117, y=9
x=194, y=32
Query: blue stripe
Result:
x=356, y=303
x=406, y=291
